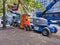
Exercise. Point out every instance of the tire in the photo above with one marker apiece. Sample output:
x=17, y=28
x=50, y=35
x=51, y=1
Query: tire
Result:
x=15, y=24
x=59, y=24
x=27, y=28
x=46, y=32
x=55, y=29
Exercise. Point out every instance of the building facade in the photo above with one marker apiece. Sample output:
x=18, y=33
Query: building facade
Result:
x=55, y=8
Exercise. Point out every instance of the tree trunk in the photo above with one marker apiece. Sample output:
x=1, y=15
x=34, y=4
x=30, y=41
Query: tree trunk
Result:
x=4, y=19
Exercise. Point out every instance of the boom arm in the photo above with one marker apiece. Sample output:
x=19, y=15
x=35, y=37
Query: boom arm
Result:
x=17, y=6
x=48, y=7
x=24, y=8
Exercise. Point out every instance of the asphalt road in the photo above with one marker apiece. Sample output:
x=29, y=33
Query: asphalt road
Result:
x=15, y=36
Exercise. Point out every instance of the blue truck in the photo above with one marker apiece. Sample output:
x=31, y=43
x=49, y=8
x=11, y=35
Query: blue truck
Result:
x=12, y=18
x=41, y=24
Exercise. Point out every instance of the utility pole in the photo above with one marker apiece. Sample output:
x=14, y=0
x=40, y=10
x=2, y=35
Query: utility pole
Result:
x=4, y=18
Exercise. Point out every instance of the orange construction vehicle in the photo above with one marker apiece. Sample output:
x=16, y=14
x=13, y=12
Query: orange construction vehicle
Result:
x=25, y=19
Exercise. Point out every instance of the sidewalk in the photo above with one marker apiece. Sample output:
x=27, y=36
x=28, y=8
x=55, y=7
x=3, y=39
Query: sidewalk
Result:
x=7, y=28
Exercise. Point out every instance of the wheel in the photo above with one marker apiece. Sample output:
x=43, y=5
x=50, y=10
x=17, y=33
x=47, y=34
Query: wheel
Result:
x=59, y=24
x=15, y=24
x=27, y=28
x=55, y=29
x=46, y=32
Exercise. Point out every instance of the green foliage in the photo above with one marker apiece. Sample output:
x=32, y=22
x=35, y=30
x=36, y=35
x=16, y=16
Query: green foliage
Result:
x=11, y=1
x=1, y=8
x=32, y=4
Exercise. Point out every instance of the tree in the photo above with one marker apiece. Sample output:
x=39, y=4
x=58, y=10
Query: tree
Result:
x=32, y=4
x=1, y=8
x=4, y=19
